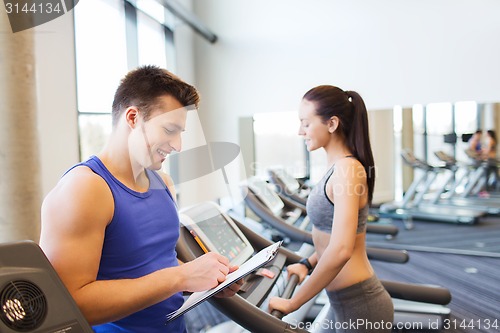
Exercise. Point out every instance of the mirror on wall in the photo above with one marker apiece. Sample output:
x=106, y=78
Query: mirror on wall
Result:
x=433, y=127
x=440, y=127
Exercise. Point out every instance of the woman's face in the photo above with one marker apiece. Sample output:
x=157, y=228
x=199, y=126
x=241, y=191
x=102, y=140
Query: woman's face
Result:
x=312, y=128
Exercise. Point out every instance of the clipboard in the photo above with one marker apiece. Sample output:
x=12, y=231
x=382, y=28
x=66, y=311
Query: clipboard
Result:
x=257, y=261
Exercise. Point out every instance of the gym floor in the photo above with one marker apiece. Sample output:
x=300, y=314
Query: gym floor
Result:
x=465, y=259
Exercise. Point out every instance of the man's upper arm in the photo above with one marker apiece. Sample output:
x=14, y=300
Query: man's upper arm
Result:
x=74, y=218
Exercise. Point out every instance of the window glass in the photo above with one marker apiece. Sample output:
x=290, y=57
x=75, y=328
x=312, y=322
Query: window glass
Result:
x=100, y=52
x=151, y=39
x=466, y=115
x=418, y=118
x=439, y=118
x=94, y=132
x=152, y=8
x=277, y=143
x=439, y=121
x=418, y=130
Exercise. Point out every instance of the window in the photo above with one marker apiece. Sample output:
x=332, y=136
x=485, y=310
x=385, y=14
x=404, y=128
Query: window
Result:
x=151, y=40
x=418, y=115
x=439, y=122
x=104, y=53
x=466, y=120
x=100, y=46
x=277, y=143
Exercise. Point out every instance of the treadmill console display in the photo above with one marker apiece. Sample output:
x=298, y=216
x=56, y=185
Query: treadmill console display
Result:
x=266, y=195
x=215, y=231
x=226, y=241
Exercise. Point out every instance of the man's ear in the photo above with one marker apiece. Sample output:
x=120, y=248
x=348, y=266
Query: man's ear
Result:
x=132, y=116
x=333, y=124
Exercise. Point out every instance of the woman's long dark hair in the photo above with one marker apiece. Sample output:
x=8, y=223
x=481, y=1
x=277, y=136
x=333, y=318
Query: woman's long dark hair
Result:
x=350, y=109
x=493, y=136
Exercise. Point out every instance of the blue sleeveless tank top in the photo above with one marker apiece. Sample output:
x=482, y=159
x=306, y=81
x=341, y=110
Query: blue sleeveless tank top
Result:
x=320, y=209
x=139, y=240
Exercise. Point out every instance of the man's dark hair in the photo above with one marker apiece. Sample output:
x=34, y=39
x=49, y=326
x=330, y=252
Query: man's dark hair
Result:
x=143, y=86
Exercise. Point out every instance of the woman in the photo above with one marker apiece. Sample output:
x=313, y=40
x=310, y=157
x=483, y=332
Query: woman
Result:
x=475, y=142
x=337, y=121
x=489, y=153
x=490, y=147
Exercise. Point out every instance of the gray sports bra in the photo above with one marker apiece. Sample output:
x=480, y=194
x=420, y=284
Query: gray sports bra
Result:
x=320, y=209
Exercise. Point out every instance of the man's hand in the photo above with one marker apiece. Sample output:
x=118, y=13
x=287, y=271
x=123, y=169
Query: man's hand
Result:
x=205, y=272
x=233, y=288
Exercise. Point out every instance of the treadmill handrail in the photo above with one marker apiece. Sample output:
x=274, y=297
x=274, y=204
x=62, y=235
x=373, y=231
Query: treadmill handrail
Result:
x=417, y=292
x=251, y=317
x=382, y=229
x=293, y=281
x=388, y=255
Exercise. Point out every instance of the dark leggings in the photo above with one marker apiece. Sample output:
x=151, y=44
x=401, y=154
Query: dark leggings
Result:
x=363, y=307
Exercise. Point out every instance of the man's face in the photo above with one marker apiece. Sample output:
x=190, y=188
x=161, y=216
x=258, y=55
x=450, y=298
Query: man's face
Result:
x=154, y=139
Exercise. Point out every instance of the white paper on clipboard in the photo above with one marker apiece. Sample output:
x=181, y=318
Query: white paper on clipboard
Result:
x=260, y=259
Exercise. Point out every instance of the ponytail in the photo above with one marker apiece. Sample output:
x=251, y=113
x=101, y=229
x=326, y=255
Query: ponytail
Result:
x=358, y=139
x=349, y=107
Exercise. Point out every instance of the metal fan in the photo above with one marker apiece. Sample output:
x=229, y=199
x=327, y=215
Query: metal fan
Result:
x=23, y=306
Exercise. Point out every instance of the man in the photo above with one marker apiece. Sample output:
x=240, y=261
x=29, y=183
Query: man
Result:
x=110, y=226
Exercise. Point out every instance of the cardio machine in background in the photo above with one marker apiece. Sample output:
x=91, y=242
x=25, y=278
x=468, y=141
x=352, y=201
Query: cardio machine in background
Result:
x=288, y=186
x=480, y=176
x=415, y=206
x=449, y=194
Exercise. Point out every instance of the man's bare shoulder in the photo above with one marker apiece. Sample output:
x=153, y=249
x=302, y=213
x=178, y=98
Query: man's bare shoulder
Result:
x=82, y=181
x=80, y=193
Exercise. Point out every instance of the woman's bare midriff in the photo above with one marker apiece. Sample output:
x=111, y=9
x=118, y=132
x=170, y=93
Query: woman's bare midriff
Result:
x=357, y=269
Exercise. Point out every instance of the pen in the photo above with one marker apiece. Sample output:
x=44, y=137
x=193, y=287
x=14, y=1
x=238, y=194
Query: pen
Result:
x=198, y=240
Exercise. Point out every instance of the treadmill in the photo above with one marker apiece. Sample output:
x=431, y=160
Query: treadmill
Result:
x=248, y=308
x=478, y=178
x=283, y=215
x=289, y=186
x=489, y=205
x=413, y=205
